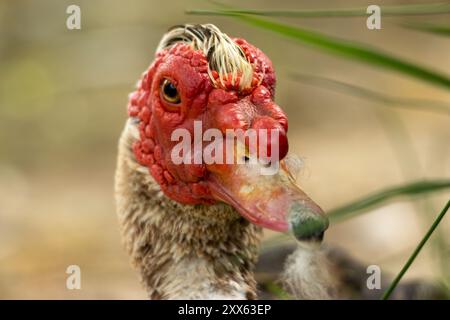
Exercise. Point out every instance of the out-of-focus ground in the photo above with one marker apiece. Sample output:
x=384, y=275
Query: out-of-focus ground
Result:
x=62, y=106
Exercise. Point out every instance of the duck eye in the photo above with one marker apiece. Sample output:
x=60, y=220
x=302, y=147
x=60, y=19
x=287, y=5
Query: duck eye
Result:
x=170, y=92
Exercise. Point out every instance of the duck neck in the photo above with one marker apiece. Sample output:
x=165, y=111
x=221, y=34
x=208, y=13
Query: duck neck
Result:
x=182, y=251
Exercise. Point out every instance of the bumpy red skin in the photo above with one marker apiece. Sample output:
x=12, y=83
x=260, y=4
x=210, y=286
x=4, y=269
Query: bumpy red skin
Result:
x=221, y=108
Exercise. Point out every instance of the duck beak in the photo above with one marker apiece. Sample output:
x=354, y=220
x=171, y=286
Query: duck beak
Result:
x=268, y=197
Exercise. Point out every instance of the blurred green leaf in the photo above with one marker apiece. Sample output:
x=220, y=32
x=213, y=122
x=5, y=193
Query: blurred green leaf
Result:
x=380, y=198
x=416, y=251
x=277, y=291
x=399, y=10
x=349, y=49
x=430, y=28
x=358, y=91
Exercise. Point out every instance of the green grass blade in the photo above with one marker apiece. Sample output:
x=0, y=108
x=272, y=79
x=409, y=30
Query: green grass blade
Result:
x=350, y=50
x=374, y=96
x=400, y=10
x=380, y=198
x=430, y=28
x=413, y=256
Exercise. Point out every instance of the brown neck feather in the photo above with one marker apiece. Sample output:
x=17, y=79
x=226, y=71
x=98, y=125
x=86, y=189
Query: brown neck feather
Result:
x=182, y=251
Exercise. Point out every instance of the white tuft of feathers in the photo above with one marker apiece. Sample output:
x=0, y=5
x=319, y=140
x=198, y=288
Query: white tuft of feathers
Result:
x=223, y=54
x=308, y=275
x=294, y=164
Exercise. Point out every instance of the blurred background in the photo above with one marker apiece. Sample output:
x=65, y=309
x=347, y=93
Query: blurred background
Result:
x=63, y=96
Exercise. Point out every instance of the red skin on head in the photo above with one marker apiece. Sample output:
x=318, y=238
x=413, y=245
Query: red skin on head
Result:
x=221, y=108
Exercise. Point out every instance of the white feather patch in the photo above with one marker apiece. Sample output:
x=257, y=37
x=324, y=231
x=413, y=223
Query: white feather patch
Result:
x=223, y=54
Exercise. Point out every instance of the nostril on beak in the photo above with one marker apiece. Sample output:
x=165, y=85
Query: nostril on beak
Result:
x=308, y=224
x=315, y=237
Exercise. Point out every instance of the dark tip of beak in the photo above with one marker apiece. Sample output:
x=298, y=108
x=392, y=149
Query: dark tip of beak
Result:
x=308, y=223
x=315, y=237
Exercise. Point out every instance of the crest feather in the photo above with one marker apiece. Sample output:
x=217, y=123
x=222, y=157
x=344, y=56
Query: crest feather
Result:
x=223, y=54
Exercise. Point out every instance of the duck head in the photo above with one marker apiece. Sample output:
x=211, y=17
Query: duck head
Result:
x=209, y=130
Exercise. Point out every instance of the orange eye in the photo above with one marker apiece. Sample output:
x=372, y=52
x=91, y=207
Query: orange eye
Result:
x=169, y=92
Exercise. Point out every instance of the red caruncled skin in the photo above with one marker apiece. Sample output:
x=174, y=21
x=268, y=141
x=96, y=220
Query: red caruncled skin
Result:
x=222, y=108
